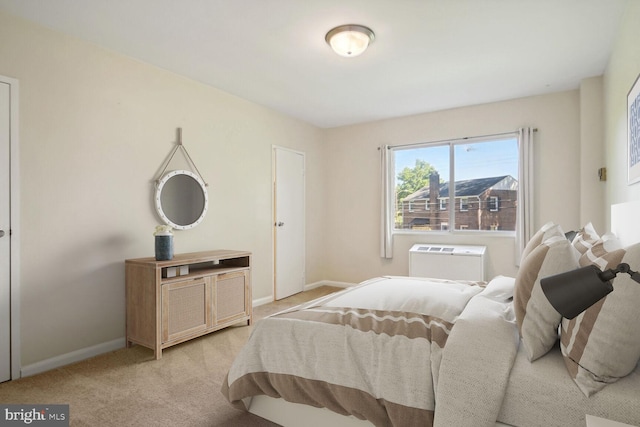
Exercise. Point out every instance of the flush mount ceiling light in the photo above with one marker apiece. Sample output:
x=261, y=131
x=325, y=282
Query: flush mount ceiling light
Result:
x=349, y=40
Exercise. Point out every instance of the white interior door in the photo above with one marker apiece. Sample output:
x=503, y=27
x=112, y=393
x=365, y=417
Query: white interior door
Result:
x=5, y=247
x=289, y=225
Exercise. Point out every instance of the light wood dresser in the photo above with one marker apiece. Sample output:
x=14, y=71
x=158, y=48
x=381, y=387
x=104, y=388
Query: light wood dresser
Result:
x=169, y=302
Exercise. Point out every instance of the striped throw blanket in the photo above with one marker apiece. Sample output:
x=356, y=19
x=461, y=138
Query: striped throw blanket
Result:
x=379, y=351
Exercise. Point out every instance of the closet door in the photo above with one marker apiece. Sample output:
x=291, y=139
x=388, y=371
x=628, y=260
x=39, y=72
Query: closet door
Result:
x=5, y=246
x=289, y=222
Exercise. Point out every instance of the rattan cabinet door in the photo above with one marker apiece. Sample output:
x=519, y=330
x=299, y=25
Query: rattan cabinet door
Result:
x=230, y=296
x=185, y=309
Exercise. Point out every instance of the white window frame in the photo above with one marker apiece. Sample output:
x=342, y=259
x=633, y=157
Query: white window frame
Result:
x=452, y=144
x=464, y=204
x=493, y=201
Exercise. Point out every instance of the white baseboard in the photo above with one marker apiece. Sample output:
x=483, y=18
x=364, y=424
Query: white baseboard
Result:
x=329, y=283
x=74, y=356
x=262, y=301
x=269, y=299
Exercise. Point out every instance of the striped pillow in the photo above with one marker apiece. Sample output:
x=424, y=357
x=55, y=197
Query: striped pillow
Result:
x=585, y=238
x=602, y=253
x=548, y=230
x=537, y=320
x=602, y=344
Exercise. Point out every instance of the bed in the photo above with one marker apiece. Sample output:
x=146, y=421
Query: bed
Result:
x=417, y=351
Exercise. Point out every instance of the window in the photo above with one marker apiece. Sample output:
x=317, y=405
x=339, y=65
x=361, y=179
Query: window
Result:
x=466, y=184
x=493, y=204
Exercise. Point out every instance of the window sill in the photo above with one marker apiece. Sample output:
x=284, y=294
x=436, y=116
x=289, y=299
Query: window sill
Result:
x=476, y=233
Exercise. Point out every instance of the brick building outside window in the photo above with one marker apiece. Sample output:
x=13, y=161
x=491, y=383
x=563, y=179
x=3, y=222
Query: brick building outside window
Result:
x=480, y=204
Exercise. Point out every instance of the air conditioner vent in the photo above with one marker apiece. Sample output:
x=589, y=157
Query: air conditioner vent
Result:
x=456, y=262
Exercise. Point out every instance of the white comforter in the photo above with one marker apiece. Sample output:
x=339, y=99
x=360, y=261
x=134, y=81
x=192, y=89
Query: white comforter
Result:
x=395, y=351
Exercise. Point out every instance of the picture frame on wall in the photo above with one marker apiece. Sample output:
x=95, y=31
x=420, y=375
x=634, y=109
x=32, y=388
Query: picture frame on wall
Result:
x=633, y=132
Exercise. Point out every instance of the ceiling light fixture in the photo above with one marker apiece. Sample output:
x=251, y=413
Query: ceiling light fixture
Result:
x=349, y=40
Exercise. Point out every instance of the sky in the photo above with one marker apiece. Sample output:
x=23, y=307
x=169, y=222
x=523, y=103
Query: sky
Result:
x=472, y=160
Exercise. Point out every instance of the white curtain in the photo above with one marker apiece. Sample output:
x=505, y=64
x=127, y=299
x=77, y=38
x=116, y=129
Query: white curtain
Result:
x=525, y=190
x=387, y=194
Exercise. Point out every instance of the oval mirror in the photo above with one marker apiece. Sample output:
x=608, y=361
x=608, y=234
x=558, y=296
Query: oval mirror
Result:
x=181, y=199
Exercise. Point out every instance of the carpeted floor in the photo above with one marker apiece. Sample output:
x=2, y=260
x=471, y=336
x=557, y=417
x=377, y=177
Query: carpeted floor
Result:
x=129, y=387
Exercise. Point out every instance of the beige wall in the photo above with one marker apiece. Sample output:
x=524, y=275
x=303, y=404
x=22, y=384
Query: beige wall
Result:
x=353, y=232
x=95, y=128
x=622, y=71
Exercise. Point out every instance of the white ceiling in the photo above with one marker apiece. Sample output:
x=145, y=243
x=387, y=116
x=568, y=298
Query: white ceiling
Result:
x=427, y=55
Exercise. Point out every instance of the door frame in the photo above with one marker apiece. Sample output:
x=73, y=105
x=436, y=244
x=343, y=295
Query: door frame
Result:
x=273, y=213
x=14, y=196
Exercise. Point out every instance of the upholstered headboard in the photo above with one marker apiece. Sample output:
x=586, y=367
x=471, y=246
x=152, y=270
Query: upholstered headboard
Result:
x=625, y=222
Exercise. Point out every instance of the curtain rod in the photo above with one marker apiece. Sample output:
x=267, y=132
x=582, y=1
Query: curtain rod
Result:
x=453, y=139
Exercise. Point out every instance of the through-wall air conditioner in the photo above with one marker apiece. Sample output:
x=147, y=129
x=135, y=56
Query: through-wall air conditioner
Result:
x=456, y=262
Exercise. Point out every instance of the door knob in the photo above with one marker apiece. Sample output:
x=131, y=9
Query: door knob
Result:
x=280, y=224
x=1, y=233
